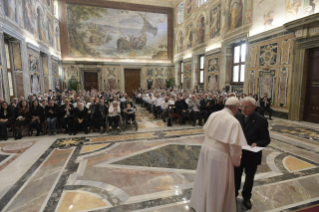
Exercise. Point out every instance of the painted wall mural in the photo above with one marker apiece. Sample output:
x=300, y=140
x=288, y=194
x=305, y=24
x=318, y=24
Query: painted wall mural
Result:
x=189, y=36
x=267, y=84
x=127, y=34
x=187, y=75
x=200, y=28
x=188, y=8
x=9, y=8
x=212, y=72
x=16, y=51
x=234, y=9
x=33, y=61
x=42, y=25
x=57, y=38
x=51, y=35
x=29, y=15
x=215, y=21
x=213, y=65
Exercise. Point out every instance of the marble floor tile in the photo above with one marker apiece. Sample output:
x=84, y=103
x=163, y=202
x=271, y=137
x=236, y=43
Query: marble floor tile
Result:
x=90, y=148
x=121, y=137
x=34, y=193
x=293, y=164
x=77, y=201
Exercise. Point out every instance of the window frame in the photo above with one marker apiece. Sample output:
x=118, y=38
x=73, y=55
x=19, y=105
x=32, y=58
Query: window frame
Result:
x=181, y=74
x=239, y=64
x=201, y=70
x=9, y=70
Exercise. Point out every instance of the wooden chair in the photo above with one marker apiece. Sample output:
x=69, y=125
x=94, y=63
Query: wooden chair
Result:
x=13, y=127
x=173, y=114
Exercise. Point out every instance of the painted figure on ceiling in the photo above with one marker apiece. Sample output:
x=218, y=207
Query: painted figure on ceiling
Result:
x=28, y=14
x=201, y=30
x=235, y=14
x=189, y=39
x=57, y=36
x=9, y=7
x=215, y=22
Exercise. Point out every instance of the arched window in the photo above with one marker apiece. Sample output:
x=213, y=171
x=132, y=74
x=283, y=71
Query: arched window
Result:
x=180, y=13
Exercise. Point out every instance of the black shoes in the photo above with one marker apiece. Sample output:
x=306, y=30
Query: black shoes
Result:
x=86, y=131
x=74, y=133
x=247, y=203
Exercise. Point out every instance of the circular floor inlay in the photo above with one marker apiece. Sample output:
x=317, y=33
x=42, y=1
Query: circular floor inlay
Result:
x=17, y=146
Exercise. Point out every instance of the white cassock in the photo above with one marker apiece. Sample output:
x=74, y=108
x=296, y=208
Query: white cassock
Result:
x=214, y=186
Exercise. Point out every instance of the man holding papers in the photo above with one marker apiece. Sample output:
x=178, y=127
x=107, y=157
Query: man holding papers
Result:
x=255, y=128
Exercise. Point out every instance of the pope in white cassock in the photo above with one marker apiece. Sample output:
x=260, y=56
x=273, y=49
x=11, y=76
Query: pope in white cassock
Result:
x=214, y=186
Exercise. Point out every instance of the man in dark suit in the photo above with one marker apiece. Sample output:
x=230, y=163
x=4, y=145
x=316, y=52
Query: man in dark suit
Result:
x=205, y=107
x=255, y=128
x=265, y=105
x=181, y=108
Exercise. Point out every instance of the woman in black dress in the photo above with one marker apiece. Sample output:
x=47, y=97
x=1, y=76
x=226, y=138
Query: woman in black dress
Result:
x=6, y=118
x=97, y=114
x=22, y=118
x=36, y=116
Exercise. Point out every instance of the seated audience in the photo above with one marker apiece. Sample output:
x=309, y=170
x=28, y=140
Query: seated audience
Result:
x=52, y=113
x=114, y=115
x=6, y=118
x=97, y=115
x=194, y=108
x=80, y=118
x=21, y=117
x=66, y=116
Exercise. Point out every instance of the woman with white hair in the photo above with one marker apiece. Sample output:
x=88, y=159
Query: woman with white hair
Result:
x=114, y=115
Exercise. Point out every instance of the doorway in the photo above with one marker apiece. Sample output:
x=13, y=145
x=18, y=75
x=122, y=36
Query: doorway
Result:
x=91, y=81
x=311, y=112
x=132, y=80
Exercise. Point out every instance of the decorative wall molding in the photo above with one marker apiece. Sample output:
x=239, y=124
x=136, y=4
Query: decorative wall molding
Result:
x=214, y=51
x=33, y=47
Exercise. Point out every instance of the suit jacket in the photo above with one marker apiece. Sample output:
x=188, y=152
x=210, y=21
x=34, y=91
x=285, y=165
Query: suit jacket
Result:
x=203, y=104
x=191, y=105
x=181, y=105
x=10, y=115
x=262, y=103
x=63, y=112
x=256, y=131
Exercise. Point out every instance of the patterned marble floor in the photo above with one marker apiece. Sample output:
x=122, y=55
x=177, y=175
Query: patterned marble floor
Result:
x=150, y=170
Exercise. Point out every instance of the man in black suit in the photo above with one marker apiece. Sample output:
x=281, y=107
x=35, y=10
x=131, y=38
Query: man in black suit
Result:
x=255, y=128
x=181, y=108
x=265, y=105
x=205, y=107
x=66, y=116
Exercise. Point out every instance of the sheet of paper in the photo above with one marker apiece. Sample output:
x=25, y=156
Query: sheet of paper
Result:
x=255, y=149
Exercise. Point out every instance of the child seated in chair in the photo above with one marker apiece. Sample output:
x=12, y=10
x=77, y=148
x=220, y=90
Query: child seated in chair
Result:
x=130, y=113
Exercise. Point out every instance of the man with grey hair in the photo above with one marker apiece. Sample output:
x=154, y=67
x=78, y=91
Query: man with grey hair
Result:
x=255, y=128
x=220, y=152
